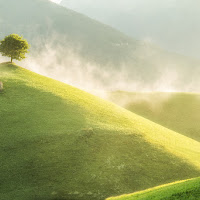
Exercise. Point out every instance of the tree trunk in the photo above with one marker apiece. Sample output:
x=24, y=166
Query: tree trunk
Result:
x=11, y=59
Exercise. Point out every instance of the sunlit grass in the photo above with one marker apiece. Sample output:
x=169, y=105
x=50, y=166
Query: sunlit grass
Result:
x=181, y=190
x=176, y=111
x=58, y=142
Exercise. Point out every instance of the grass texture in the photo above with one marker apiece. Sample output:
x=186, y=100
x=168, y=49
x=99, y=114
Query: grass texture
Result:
x=176, y=111
x=182, y=190
x=59, y=143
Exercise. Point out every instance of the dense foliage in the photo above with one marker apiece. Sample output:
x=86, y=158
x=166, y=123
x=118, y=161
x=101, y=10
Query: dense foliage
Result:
x=14, y=46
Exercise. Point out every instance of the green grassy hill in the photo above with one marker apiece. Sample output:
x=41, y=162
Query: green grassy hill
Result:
x=182, y=190
x=67, y=38
x=176, y=111
x=58, y=142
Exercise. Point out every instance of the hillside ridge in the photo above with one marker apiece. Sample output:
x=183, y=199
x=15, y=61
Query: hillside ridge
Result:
x=59, y=142
x=184, y=189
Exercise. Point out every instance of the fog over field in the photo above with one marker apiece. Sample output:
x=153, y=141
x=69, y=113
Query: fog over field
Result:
x=89, y=76
x=75, y=49
x=99, y=98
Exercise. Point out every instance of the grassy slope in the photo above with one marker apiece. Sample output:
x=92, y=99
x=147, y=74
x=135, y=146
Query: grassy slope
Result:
x=184, y=190
x=58, y=142
x=176, y=111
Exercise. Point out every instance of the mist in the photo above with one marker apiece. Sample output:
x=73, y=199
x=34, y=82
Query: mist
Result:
x=171, y=24
x=84, y=53
x=70, y=67
x=56, y=1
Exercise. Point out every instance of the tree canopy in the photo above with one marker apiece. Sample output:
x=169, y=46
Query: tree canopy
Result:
x=14, y=46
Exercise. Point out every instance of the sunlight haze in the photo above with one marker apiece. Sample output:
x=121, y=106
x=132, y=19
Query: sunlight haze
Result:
x=56, y=1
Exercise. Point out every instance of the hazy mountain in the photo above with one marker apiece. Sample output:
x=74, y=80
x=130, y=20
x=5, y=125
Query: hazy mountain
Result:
x=68, y=44
x=172, y=24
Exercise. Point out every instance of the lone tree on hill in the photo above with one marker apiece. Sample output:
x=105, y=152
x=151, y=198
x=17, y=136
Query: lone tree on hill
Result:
x=14, y=46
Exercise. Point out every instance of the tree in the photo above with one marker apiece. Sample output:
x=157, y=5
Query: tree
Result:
x=14, y=46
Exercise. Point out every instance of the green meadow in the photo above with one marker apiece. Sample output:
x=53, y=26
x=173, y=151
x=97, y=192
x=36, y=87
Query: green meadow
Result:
x=182, y=190
x=60, y=143
x=176, y=111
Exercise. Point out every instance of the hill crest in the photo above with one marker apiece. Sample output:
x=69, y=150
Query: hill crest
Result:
x=60, y=142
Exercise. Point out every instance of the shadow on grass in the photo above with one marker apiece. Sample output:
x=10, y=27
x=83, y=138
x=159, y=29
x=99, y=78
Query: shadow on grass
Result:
x=44, y=143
